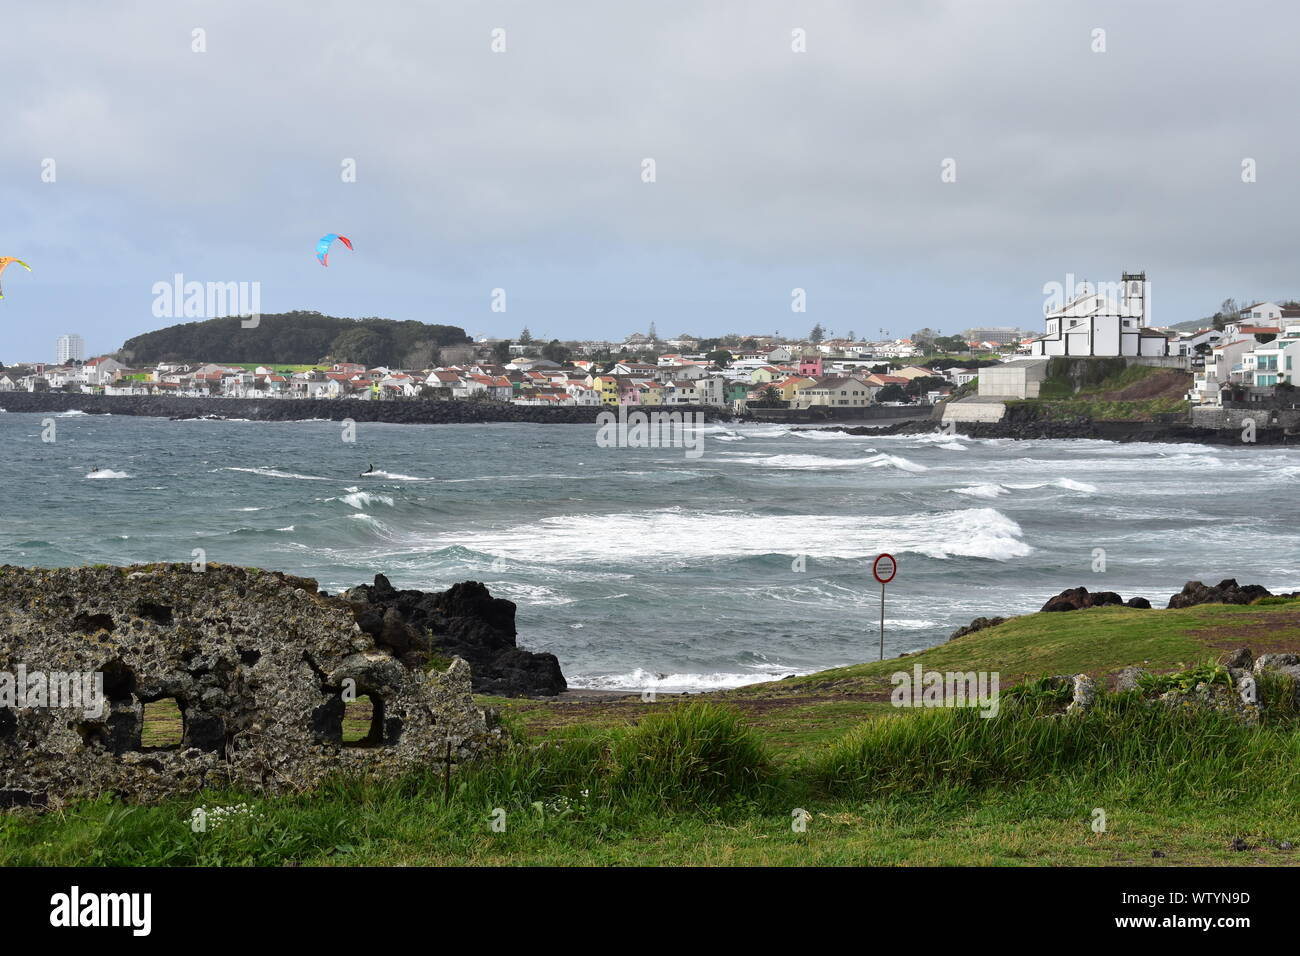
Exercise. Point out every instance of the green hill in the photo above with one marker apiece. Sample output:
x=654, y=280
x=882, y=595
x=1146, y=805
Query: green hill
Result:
x=296, y=338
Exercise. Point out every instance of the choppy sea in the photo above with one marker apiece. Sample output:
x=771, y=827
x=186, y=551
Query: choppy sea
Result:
x=647, y=568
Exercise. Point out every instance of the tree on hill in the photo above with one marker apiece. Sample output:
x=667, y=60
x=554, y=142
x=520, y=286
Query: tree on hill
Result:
x=290, y=338
x=363, y=346
x=891, y=393
x=924, y=383
x=501, y=351
x=555, y=352
x=525, y=337
x=720, y=358
x=818, y=334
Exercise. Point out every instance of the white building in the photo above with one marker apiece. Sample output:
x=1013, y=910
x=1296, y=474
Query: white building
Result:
x=69, y=348
x=1226, y=363
x=1100, y=323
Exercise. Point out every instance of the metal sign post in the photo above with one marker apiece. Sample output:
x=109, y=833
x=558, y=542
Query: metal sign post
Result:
x=883, y=569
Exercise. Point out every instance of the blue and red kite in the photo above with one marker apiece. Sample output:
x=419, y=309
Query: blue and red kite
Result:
x=323, y=247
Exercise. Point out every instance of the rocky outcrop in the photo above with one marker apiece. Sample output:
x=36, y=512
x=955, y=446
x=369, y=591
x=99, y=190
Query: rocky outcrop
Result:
x=1030, y=429
x=1225, y=592
x=259, y=666
x=1247, y=689
x=465, y=621
x=979, y=624
x=1076, y=599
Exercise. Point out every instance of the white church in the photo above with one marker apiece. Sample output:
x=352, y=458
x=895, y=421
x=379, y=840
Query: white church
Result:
x=1112, y=320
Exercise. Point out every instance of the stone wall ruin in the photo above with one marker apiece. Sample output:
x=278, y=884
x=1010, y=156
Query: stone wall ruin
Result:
x=258, y=664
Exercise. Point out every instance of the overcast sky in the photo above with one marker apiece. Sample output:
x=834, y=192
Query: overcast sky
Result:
x=522, y=170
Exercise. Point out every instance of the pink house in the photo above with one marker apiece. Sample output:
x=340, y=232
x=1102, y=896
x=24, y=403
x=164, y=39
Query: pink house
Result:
x=810, y=366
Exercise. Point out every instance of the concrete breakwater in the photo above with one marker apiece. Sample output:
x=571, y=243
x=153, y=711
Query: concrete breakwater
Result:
x=406, y=412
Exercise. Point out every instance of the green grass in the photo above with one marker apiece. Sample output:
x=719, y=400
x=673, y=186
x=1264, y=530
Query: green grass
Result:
x=1061, y=397
x=718, y=781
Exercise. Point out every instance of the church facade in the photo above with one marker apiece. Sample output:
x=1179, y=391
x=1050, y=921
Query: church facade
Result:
x=1106, y=322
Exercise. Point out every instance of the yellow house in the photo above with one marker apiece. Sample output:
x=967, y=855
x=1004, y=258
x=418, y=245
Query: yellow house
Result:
x=761, y=376
x=607, y=386
x=791, y=385
x=652, y=393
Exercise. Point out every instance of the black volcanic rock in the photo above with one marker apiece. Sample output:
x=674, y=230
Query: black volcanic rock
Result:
x=1076, y=599
x=1225, y=592
x=466, y=621
x=404, y=412
x=979, y=624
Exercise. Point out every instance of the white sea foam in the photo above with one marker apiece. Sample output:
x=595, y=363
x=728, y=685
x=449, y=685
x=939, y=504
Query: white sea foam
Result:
x=1069, y=484
x=395, y=476
x=536, y=595
x=274, y=473
x=934, y=438
x=828, y=436
x=677, y=536
x=362, y=499
x=820, y=462
x=108, y=473
x=987, y=490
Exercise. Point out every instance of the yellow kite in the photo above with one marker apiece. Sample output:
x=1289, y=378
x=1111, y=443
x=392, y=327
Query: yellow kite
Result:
x=4, y=264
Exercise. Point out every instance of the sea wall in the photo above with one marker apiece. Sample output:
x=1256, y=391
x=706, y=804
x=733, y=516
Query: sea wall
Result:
x=1117, y=431
x=405, y=412
x=831, y=413
x=259, y=664
x=1234, y=418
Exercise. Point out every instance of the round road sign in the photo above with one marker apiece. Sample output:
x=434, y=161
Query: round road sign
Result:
x=884, y=568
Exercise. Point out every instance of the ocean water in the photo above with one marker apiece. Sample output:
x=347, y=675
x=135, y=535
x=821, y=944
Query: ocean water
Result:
x=643, y=567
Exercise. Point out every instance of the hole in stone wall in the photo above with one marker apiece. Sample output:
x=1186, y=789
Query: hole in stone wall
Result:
x=363, y=722
x=163, y=726
x=92, y=623
x=158, y=613
x=8, y=722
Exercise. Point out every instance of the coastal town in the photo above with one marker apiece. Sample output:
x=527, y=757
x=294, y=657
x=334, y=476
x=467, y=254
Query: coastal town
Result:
x=1244, y=355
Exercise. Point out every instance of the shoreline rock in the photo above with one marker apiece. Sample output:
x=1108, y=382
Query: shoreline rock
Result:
x=465, y=621
x=412, y=412
x=1116, y=431
x=1226, y=591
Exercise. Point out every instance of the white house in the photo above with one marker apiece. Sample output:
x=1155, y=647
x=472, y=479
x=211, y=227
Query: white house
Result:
x=100, y=371
x=1261, y=313
x=848, y=391
x=1099, y=323
x=1226, y=362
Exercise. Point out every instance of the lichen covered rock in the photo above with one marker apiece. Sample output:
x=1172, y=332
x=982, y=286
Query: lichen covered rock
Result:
x=260, y=665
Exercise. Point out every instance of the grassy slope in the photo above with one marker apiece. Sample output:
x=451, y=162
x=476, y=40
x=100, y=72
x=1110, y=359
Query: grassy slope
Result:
x=1138, y=393
x=801, y=711
x=1039, y=821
